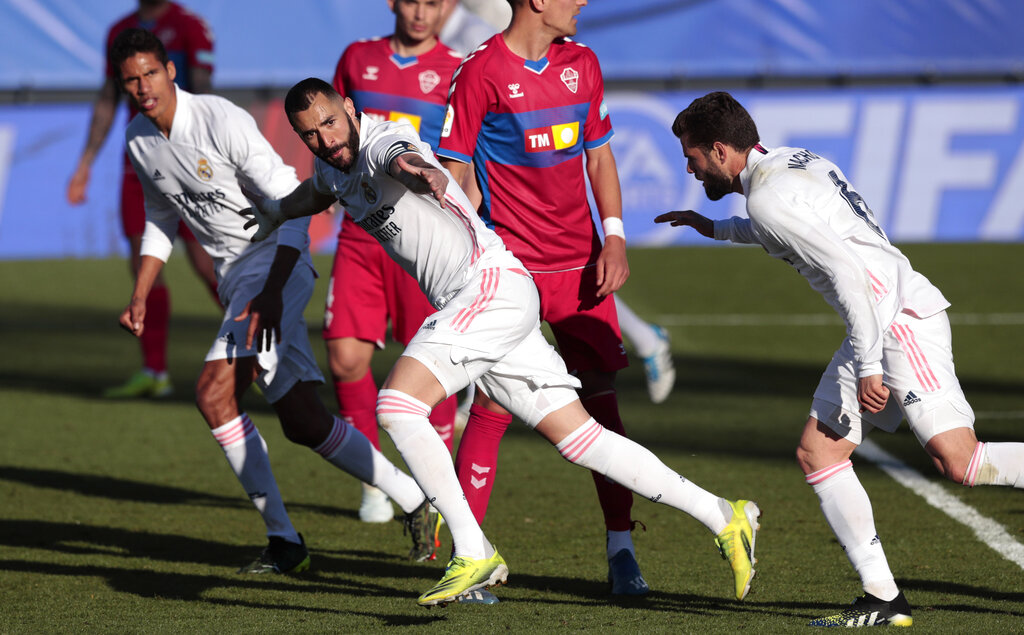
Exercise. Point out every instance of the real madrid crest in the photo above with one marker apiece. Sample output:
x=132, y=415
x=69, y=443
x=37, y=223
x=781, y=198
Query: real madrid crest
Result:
x=204, y=170
x=368, y=193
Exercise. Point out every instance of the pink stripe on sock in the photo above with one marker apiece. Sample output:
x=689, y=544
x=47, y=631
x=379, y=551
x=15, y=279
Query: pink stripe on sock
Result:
x=337, y=436
x=229, y=436
x=393, y=404
x=817, y=477
x=574, y=450
x=974, y=466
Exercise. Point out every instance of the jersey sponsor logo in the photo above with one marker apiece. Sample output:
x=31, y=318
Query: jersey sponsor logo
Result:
x=394, y=115
x=197, y=204
x=449, y=119
x=429, y=80
x=370, y=74
x=157, y=176
x=571, y=79
x=513, y=91
x=556, y=137
x=203, y=170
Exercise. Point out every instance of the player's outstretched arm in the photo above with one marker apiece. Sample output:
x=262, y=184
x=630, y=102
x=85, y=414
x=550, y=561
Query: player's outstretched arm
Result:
x=702, y=224
x=413, y=171
x=270, y=213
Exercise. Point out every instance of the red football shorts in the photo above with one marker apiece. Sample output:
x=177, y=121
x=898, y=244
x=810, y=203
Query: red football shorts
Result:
x=367, y=288
x=586, y=328
x=133, y=207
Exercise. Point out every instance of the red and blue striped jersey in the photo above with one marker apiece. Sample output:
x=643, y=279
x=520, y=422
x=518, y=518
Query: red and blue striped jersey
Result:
x=525, y=125
x=389, y=87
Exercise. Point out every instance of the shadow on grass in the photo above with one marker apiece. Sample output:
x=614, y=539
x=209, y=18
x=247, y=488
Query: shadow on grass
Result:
x=164, y=585
x=136, y=491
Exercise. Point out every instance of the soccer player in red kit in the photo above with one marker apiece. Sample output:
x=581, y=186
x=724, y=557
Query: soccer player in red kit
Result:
x=189, y=44
x=525, y=108
x=401, y=77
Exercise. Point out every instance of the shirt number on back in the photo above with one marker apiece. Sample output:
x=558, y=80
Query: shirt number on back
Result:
x=857, y=204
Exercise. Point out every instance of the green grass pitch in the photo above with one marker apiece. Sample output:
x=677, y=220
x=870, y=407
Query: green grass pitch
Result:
x=123, y=517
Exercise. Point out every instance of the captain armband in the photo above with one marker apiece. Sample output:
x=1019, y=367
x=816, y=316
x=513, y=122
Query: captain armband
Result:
x=396, y=149
x=613, y=227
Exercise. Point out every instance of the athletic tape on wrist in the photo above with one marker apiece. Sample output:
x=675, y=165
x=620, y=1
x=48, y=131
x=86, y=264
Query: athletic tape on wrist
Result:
x=613, y=227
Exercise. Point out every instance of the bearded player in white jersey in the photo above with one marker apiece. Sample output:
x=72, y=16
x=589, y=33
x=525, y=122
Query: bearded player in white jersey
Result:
x=897, y=358
x=193, y=154
x=486, y=329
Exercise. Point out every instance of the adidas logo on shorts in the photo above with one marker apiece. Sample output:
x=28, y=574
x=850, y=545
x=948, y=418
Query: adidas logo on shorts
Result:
x=430, y=325
x=911, y=398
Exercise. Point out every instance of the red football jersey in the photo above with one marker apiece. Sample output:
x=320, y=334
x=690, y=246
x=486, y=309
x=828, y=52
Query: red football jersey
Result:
x=389, y=87
x=525, y=125
x=185, y=35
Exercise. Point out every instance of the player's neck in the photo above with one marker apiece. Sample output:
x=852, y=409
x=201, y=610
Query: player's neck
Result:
x=149, y=11
x=409, y=48
x=526, y=41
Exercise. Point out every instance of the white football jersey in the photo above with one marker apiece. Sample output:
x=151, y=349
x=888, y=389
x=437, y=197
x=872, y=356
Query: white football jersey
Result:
x=803, y=210
x=196, y=174
x=440, y=247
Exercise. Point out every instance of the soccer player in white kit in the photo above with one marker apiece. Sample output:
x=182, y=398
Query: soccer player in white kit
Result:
x=486, y=329
x=193, y=153
x=897, y=358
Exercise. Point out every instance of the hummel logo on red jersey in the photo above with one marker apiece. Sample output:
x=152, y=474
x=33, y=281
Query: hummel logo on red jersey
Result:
x=157, y=176
x=571, y=79
x=370, y=73
x=513, y=91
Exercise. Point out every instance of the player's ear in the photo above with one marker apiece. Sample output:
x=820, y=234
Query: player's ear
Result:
x=719, y=151
x=172, y=71
x=350, y=107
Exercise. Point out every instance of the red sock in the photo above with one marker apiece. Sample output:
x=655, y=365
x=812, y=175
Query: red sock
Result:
x=357, y=404
x=442, y=417
x=154, y=336
x=476, y=464
x=616, y=500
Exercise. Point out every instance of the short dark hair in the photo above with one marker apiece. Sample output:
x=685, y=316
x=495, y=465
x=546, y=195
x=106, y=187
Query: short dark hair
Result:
x=130, y=43
x=301, y=95
x=716, y=117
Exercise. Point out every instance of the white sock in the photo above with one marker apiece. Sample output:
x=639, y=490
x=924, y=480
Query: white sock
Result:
x=636, y=468
x=246, y=453
x=639, y=333
x=996, y=464
x=349, y=449
x=847, y=510
x=405, y=420
x=619, y=540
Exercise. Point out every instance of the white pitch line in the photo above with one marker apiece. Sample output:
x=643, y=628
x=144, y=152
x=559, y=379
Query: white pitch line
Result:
x=987, y=530
x=818, y=319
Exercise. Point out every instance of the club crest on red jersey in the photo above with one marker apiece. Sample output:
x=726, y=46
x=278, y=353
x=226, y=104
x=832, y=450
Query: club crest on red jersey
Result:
x=571, y=79
x=203, y=170
x=429, y=80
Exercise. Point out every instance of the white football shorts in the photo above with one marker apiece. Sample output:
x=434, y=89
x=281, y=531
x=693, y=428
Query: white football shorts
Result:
x=286, y=363
x=917, y=366
x=490, y=334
